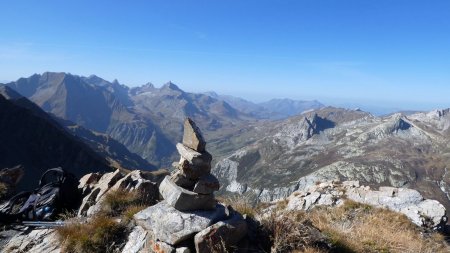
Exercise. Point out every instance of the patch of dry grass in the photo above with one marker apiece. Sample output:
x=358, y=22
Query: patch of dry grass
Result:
x=293, y=232
x=351, y=227
x=130, y=211
x=355, y=227
x=241, y=204
x=100, y=234
x=106, y=231
x=120, y=201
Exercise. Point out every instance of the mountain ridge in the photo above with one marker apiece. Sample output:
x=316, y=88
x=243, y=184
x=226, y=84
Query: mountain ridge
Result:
x=147, y=120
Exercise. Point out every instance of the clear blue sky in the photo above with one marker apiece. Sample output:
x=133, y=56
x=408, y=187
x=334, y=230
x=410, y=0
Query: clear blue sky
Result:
x=388, y=52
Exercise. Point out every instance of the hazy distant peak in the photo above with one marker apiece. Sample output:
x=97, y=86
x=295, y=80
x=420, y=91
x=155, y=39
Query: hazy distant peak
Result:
x=95, y=80
x=55, y=75
x=148, y=87
x=212, y=94
x=170, y=86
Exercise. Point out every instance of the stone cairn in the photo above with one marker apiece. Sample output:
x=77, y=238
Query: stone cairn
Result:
x=189, y=219
x=191, y=186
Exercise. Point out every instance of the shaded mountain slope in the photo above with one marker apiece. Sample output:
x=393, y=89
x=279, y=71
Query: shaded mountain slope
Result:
x=113, y=151
x=32, y=141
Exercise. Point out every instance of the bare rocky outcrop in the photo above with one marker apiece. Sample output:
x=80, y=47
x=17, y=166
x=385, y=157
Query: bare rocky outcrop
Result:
x=425, y=213
x=95, y=186
x=37, y=241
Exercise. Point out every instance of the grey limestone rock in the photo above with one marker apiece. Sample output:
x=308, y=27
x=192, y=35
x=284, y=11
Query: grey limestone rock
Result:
x=206, y=185
x=36, y=241
x=425, y=213
x=192, y=136
x=135, y=181
x=98, y=190
x=185, y=200
x=223, y=233
x=87, y=181
x=181, y=180
x=192, y=163
x=182, y=250
x=172, y=226
x=136, y=241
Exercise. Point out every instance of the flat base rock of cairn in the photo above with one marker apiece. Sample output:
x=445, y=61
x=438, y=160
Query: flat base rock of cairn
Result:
x=189, y=213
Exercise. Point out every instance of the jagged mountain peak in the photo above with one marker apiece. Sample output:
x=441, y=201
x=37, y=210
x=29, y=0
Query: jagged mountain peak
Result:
x=95, y=80
x=212, y=94
x=148, y=87
x=397, y=123
x=171, y=86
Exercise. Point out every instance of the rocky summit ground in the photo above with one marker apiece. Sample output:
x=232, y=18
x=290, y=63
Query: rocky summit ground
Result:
x=327, y=217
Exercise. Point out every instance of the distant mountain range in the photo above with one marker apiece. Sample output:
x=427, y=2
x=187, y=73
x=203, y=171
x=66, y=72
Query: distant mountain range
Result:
x=147, y=120
x=331, y=143
x=272, y=109
x=266, y=150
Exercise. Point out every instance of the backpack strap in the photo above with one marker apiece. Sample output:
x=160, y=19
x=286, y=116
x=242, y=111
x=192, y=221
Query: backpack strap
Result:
x=60, y=179
x=12, y=201
x=6, y=215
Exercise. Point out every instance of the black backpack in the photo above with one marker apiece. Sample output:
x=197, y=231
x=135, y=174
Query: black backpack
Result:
x=57, y=191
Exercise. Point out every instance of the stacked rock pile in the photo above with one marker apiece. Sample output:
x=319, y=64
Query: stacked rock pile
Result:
x=191, y=186
x=189, y=219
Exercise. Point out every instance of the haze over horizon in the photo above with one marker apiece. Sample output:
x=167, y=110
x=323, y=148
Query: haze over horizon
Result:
x=385, y=53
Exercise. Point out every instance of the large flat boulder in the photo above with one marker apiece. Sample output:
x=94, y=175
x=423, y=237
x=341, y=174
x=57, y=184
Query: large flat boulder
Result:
x=172, y=226
x=185, y=200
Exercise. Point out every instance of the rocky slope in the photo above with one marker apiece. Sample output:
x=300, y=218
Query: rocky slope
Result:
x=162, y=228
x=331, y=143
